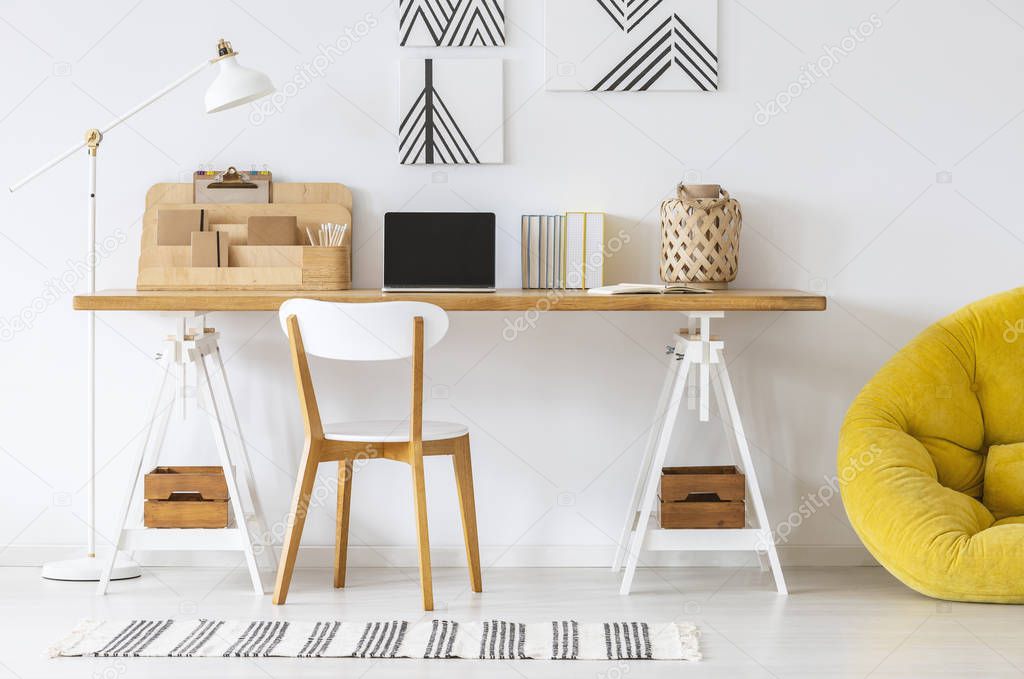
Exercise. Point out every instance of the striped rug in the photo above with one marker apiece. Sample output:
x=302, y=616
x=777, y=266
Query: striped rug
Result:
x=433, y=639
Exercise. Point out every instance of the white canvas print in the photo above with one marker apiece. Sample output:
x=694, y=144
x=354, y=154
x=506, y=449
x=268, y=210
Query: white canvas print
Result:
x=632, y=45
x=451, y=23
x=451, y=112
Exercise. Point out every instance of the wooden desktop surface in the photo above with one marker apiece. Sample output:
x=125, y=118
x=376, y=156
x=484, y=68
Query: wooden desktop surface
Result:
x=502, y=300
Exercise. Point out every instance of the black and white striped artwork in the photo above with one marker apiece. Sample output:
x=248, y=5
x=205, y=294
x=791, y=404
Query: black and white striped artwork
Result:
x=493, y=639
x=451, y=23
x=632, y=45
x=451, y=112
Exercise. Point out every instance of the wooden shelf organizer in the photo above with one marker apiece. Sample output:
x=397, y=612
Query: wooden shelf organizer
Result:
x=252, y=267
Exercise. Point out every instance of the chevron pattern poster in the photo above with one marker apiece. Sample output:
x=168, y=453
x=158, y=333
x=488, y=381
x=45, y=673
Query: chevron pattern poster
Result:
x=451, y=23
x=632, y=45
x=451, y=112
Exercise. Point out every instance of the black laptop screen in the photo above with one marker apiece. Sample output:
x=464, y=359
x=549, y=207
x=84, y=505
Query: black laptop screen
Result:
x=439, y=250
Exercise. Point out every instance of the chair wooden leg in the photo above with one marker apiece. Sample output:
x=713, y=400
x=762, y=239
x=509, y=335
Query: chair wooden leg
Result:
x=300, y=505
x=419, y=492
x=467, y=505
x=345, y=471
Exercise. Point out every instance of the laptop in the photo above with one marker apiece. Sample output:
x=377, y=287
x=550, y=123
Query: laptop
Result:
x=439, y=252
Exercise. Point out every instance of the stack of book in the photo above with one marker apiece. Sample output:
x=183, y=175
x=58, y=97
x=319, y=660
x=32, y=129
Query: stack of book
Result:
x=563, y=251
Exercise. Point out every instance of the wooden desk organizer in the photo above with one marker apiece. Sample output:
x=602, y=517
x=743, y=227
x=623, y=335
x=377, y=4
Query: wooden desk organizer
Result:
x=252, y=267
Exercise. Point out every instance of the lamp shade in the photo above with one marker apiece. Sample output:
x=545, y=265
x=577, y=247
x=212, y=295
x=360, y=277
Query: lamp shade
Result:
x=235, y=85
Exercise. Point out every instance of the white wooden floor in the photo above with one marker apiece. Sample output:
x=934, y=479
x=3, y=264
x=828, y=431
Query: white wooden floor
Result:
x=837, y=622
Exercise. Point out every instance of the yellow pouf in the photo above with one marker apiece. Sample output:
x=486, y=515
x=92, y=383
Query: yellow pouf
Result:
x=912, y=456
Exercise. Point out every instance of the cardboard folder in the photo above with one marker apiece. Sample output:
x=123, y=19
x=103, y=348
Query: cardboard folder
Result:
x=210, y=248
x=273, y=230
x=175, y=227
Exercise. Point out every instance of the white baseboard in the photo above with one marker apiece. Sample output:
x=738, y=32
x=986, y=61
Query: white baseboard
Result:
x=519, y=556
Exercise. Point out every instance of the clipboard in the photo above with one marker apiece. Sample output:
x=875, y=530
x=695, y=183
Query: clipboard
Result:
x=232, y=186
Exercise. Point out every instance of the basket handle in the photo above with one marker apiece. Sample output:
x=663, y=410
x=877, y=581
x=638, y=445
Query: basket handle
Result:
x=684, y=196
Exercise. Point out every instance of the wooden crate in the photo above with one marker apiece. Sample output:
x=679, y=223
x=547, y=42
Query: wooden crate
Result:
x=185, y=497
x=701, y=514
x=679, y=482
x=185, y=510
x=252, y=267
x=702, y=497
x=208, y=482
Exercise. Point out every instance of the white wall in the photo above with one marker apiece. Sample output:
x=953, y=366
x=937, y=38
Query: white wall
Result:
x=840, y=193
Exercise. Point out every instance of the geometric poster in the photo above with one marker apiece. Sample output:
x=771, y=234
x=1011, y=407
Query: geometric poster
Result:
x=451, y=112
x=632, y=45
x=451, y=23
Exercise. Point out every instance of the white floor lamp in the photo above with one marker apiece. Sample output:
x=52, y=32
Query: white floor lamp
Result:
x=235, y=85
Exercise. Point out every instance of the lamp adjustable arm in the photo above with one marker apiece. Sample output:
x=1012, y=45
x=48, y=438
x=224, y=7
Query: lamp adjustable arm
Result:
x=94, y=136
x=234, y=86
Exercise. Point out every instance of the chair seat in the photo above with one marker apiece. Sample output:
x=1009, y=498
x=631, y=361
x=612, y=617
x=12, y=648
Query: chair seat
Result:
x=391, y=431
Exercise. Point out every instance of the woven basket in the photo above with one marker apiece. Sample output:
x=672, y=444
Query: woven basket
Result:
x=700, y=239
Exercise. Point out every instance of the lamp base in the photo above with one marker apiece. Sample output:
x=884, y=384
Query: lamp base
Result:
x=88, y=569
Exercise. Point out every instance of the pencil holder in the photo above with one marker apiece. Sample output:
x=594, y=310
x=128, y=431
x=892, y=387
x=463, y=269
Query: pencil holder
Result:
x=700, y=237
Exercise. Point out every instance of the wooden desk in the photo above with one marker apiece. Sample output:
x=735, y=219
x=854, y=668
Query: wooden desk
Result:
x=503, y=300
x=696, y=356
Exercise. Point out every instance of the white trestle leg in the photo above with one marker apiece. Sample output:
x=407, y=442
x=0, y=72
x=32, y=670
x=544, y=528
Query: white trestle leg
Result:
x=671, y=369
x=200, y=348
x=650, y=494
x=263, y=541
x=734, y=453
x=767, y=536
x=703, y=354
x=149, y=443
x=201, y=355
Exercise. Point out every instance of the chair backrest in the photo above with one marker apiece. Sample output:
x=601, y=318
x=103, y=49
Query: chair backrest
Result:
x=378, y=331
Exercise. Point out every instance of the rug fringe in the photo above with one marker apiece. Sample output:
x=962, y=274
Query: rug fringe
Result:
x=689, y=639
x=81, y=630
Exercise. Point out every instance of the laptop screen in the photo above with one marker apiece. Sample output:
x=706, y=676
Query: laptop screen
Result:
x=439, y=250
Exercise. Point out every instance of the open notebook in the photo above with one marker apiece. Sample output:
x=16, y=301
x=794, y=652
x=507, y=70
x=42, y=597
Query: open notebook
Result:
x=646, y=289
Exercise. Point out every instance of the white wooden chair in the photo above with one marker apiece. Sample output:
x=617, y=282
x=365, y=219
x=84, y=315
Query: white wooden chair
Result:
x=372, y=332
